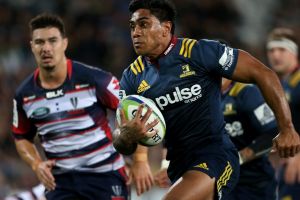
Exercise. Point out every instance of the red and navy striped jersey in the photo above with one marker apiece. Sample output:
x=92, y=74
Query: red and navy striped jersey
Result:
x=71, y=120
x=184, y=82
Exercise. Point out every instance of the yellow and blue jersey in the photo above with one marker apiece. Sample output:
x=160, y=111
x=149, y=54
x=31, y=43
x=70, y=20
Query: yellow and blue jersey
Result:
x=247, y=118
x=185, y=82
x=291, y=87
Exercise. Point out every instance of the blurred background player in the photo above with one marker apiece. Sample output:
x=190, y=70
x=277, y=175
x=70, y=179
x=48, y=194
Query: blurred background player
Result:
x=184, y=76
x=35, y=193
x=251, y=125
x=161, y=182
x=282, y=52
x=65, y=103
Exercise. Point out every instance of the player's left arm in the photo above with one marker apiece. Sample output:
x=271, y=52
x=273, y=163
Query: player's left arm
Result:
x=249, y=69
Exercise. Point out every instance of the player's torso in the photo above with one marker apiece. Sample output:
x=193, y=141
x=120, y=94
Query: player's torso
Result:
x=184, y=92
x=71, y=123
x=237, y=122
x=242, y=133
x=73, y=104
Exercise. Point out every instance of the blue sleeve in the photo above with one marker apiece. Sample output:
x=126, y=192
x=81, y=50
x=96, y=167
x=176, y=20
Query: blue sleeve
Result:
x=127, y=84
x=215, y=57
x=259, y=113
x=295, y=107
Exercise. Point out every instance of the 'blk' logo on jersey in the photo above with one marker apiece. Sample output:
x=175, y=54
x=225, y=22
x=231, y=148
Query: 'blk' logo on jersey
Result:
x=54, y=94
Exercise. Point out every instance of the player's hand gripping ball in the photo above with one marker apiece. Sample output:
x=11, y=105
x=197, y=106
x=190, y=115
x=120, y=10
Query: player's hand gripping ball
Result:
x=130, y=105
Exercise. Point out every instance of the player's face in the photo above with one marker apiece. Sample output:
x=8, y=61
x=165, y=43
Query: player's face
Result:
x=147, y=33
x=281, y=60
x=48, y=47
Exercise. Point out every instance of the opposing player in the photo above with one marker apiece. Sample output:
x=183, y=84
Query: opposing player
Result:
x=251, y=125
x=66, y=104
x=35, y=193
x=183, y=77
x=282, y=51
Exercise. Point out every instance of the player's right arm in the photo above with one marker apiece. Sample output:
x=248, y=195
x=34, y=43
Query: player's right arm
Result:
x=31, y=156
x=127, y=135
x=129, y=132
x=24, y=131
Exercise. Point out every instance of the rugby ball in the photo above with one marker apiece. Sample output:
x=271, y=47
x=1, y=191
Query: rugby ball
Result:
x=130, y=105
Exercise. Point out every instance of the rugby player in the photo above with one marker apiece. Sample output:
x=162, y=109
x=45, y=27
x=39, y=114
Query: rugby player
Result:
x=183, y=77
x=282, y=52
x=66, y=104
x=251, y=125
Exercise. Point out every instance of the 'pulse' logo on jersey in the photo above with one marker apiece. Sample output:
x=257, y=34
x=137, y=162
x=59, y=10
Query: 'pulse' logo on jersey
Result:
x=143, y=87
x=187, y=95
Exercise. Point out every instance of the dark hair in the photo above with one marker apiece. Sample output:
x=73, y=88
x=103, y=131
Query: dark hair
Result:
x=164, y=10
x=45, y=20
x=279, y=33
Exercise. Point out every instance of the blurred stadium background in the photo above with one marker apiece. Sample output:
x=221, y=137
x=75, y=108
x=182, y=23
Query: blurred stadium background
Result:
x=99, y=35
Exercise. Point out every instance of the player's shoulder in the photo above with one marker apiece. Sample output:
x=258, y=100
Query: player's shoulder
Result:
x=136, y=67
x=192, y=48
x=83, y=68
x=86, y=71
x=186, y=46
x=27, y=85
x=241, y=88
x=294, y=80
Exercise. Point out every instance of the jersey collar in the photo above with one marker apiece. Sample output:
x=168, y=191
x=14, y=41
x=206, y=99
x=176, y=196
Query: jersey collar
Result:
x=171, y=45
x=69, y=71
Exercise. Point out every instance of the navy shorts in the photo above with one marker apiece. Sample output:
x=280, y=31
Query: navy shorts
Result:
x=257, y=181
x=89, y=186
x=259, y=191
x=290, y=192
x=215, y=161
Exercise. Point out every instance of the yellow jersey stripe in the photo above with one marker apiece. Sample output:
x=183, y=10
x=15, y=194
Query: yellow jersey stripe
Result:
x=190, y=48
x=186, y=47
x=222, y=177
x=236, y=89
x=137, y=66
x=145, y=84
x=183, y=46
x=141, y=63
x=133, y=69
x=222, y=181
x=295, y=79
